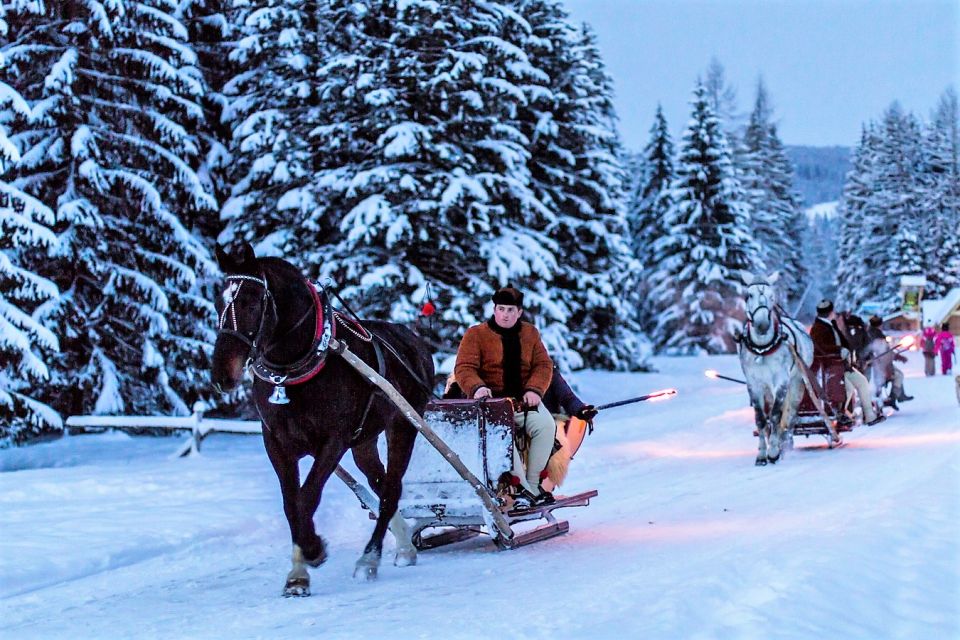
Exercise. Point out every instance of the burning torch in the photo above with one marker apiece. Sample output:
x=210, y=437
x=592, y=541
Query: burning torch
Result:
x=710, y=373
x=664, y=394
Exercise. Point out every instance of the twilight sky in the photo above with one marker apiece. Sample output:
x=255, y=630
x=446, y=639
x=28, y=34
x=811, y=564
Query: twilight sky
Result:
x=829, y=65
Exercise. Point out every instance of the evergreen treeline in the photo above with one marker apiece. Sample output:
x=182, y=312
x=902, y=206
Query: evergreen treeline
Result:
x=389, y=145
x=403, y=149
x=900, y=211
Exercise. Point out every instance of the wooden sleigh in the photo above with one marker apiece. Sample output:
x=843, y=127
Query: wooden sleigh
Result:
x=454, y=469
x=436, y=496
x=822, y=411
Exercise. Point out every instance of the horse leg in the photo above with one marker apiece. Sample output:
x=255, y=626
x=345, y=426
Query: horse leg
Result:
x=288, y=473
x=400, y=439
x=776, y=414
x=761, y=432
x=788, y=412
x=368, y=461
x=367, y=458
x=313, y=547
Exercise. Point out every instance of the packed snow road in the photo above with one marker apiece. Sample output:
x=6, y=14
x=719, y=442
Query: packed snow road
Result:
x=108, y=537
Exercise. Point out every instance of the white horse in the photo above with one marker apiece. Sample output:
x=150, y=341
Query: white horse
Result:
x=773, y=377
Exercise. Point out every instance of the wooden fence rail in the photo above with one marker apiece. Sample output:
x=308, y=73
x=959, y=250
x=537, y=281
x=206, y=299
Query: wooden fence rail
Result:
x=198, y=426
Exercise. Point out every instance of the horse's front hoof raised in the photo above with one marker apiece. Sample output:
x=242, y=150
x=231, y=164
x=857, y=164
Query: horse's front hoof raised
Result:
x=297, y=588
x=405, y=558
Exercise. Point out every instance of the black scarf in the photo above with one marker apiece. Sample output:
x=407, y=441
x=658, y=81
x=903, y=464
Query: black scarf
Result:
x=512, y=384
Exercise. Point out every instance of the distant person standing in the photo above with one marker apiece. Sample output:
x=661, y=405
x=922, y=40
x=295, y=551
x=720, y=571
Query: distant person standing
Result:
x=946, y=347
x=928, y=345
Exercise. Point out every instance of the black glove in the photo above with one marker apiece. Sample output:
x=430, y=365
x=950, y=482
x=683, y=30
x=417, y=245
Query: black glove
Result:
x=587, y=413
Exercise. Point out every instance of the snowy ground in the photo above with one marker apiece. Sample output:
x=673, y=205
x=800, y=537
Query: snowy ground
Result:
x=107, y=537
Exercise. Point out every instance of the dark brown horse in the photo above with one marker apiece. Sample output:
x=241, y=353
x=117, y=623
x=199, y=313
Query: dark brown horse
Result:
x=313, y=403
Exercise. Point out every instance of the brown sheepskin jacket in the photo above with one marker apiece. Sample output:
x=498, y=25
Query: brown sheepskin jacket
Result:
x=480, y=361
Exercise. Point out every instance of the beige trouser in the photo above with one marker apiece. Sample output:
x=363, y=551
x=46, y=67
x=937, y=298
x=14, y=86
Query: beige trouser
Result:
x=856, y=380
x=542, y=430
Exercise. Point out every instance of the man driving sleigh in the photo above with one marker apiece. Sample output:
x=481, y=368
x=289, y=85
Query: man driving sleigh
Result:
x=504, y=357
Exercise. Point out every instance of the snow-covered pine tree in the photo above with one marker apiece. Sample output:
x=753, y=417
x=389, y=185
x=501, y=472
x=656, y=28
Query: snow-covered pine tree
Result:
x=423, y=172
x=25, y=344
x=647, y=210
x=111, y=149
x=941, y=238
x=577, y=173
x=851, y=214
x=209, y=32
x=777, y=217
x=274, y=104
x=697, y=289
x=895, y=201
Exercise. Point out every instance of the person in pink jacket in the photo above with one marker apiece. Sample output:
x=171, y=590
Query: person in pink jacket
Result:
x=945, y=347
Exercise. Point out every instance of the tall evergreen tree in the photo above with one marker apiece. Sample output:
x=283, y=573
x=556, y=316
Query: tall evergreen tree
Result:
x=940, y=239
x=112, y=151
x=25, y=344
x=577, y=171
x=895, y=202
x=777, y=217
x=852, y=211
x=698, y=289
x=210, y=32
x=648, y=209
x=273, y=105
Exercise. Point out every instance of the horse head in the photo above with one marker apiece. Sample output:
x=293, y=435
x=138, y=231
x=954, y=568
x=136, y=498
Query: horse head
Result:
x=761, y=298
x=245, y=312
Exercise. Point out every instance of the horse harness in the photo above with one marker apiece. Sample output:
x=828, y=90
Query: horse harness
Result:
x=307, y=367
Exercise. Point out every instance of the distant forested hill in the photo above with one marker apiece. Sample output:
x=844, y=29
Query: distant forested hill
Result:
x=819, y=172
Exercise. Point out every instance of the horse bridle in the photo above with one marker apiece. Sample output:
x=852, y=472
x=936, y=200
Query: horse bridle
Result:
x=778, y=335
x=230, y=311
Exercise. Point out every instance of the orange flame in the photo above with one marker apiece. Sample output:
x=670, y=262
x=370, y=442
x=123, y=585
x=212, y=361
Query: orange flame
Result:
x=906, y=342
x=711, y=373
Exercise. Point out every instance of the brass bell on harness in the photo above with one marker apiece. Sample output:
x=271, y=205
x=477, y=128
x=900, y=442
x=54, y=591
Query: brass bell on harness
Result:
x=279, y=395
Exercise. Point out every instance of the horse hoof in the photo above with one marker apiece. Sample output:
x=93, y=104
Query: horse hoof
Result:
x=297, y=588
x=773, y=460
x=405, y=558
x=365, y=572
x=761, y=463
